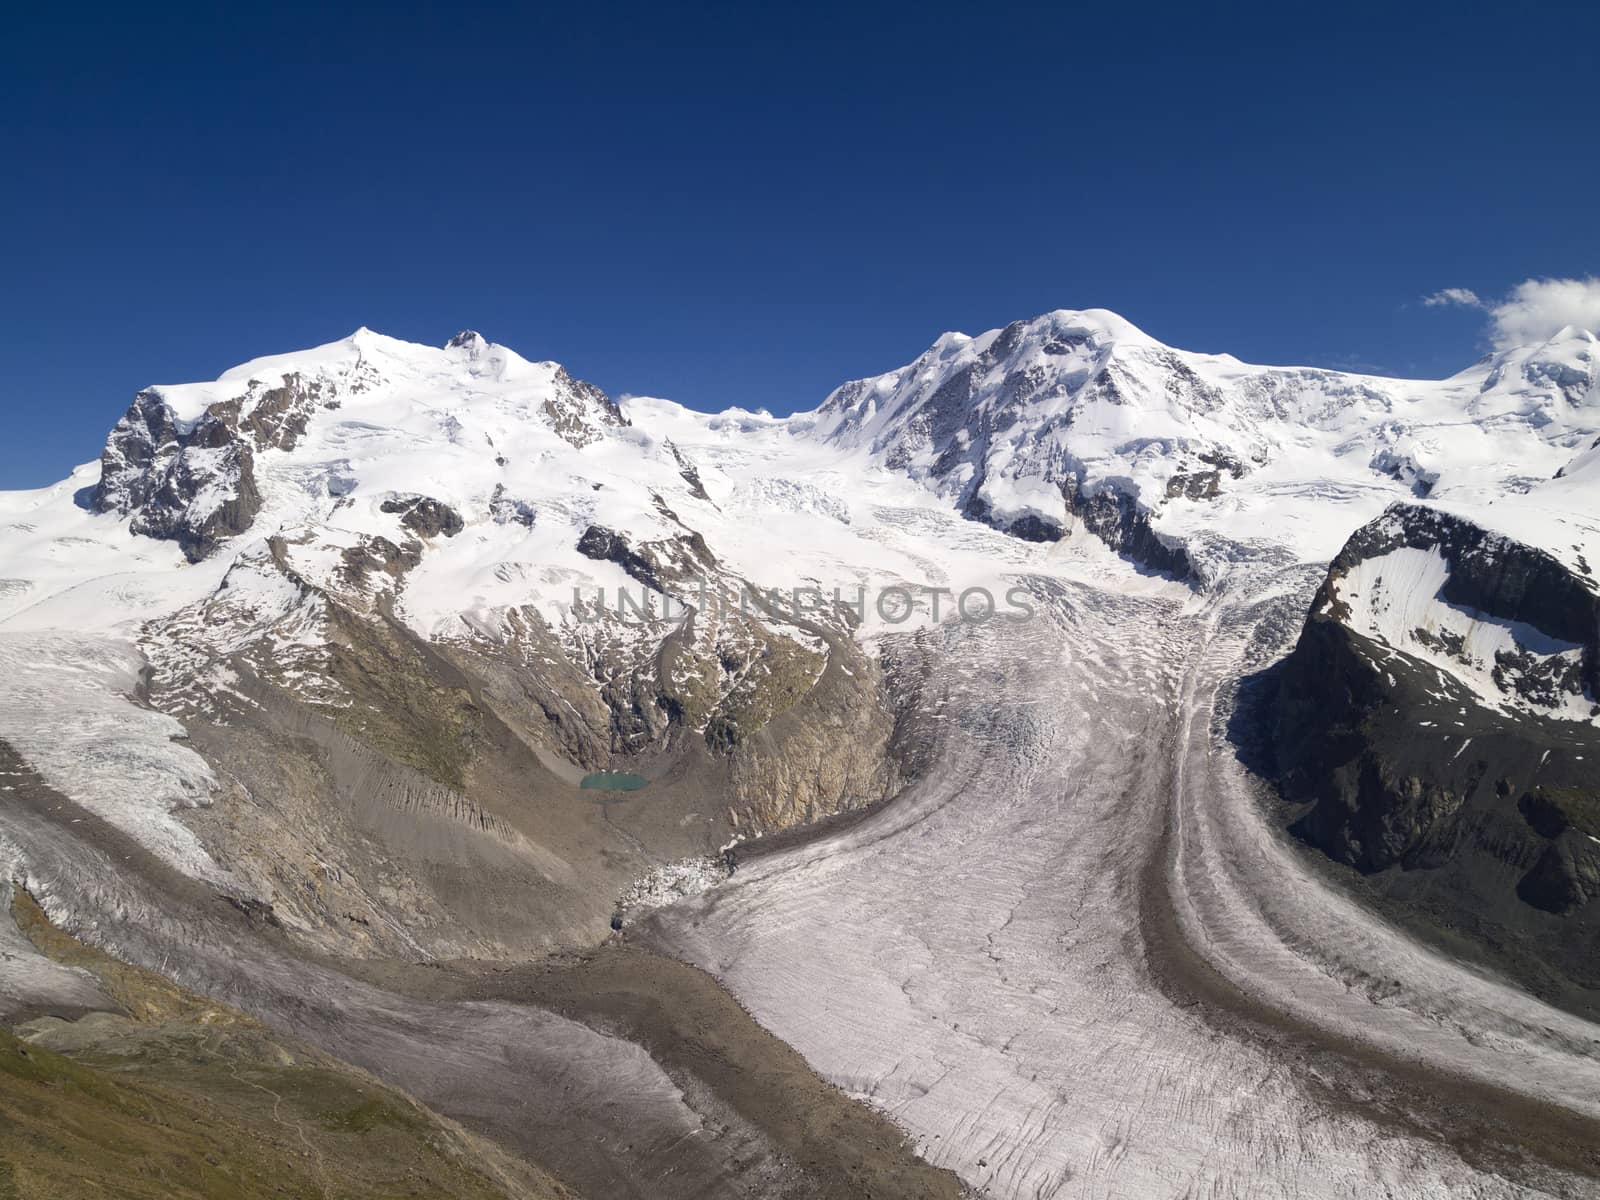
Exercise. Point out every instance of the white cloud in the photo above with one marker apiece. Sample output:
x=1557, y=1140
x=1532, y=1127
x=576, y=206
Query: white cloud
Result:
x=1538, y=308
x=1464, y=297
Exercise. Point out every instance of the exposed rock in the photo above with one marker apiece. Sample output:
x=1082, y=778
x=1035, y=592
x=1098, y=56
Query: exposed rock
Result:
x=827, y=750
x=581, y=412
x=508, y=510
x=195, y=486
x=689, y=472
x=1114, y=517
x=425, y=516
x=607, y=545
x=1489, y=574
x=194, y=482
x=1118, y=520
x=1481, y=817
x=1194, y=485
x=146, y=433
x=276, y=417
x=653, y=563
x=374, y=553
x=1405, y=468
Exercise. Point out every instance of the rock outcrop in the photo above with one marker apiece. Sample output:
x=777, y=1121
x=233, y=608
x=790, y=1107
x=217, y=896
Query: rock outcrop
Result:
x=194, y=485
x=425, y=516
x=194, y=482
x=581, y=412
x=1436, y=720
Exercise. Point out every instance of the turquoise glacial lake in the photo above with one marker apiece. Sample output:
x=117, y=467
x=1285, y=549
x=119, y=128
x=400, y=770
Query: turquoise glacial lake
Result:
x=613, y=781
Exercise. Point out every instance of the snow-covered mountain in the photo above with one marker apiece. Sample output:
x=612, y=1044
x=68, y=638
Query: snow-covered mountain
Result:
x=478, y=497
x=341, y=633
x=1031, y=428
x=474, y=500
x=1079, y=416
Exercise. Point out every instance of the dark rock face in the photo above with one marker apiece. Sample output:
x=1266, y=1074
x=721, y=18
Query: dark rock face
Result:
x=379, y=554
x=580, y=412
x=1566, y=875
x=147, y=432
x=195, y=486
x=1489, y=574
x=607, y=545
x=276, y=418
x=425, y=516
x=689, y=473
x=654, y=564
x=1029, y=528
x=1118, y=521
x=1195, y=485
x=179, y=510
x=195, y=483
x=1479, y=820
x=1112, y=516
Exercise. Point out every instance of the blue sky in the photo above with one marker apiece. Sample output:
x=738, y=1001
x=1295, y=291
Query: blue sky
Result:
x=748, y=204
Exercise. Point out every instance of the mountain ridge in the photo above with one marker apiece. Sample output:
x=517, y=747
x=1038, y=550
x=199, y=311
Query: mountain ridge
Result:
x=1045, y=427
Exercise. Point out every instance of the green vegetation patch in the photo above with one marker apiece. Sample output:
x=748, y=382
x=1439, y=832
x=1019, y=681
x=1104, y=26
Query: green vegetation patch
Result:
x=191, y=1100
x=1580, y=808
x=403, y=708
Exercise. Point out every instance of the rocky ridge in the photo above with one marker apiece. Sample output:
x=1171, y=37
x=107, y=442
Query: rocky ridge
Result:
x=1437, y=716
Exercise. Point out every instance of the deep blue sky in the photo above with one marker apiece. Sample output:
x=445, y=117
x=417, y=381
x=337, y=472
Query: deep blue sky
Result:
x=751, y=203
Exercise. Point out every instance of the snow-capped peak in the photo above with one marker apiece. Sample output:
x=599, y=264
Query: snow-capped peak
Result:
x=1566, y=364
x=468, y=340
x=1027, y=426
x=1073, y=419
x=191, y=462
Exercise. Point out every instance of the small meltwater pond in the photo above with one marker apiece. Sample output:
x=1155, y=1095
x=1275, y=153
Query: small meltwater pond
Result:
x=613, y=781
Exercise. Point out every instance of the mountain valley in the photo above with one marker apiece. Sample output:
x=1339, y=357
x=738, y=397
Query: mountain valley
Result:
x=1071, y=766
